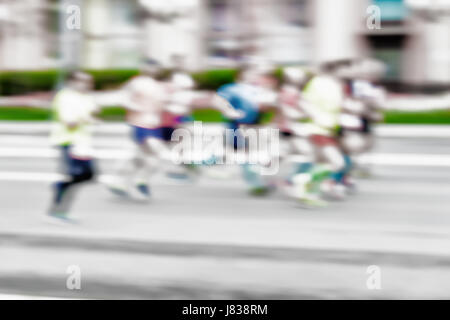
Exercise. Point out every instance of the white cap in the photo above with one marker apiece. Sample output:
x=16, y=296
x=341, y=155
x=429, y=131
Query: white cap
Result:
x=294, y=75
x=182, y=81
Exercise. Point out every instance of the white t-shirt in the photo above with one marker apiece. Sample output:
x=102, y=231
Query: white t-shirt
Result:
x=73, y=112
x=145, y=98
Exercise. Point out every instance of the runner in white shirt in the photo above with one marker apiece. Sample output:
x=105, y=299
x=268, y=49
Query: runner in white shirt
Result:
x=152, y=111
x=321, y=100
x=73, y=110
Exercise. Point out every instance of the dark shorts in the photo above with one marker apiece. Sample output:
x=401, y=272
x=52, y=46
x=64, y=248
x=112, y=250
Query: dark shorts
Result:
x=76, y=167
x=141, y=134
x=286, y=134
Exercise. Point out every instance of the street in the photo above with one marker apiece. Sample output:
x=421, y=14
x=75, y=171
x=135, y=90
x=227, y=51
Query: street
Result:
x=210, y=239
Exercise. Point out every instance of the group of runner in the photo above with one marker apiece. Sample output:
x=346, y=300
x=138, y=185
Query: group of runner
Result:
x=323, y=116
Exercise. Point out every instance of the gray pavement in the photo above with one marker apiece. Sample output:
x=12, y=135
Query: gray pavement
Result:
x=212, y=240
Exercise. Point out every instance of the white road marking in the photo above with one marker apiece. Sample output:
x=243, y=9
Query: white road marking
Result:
x=27, y=297
x=14, y=140
x=41, y=176
x=412, y=131
x=387, y=159
x=114, y=129
x=51, y=153
x=406, y=159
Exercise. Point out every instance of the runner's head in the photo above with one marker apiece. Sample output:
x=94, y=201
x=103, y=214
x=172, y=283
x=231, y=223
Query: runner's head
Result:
x=335, y=68
x=151, y=68
x=296, y=76
x=182, y=81
x=178, y=62
x=369, y=69
x=260, y=73
x=80, y=81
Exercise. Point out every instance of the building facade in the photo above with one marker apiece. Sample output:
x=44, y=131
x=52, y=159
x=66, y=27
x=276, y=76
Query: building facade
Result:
x=413, y=39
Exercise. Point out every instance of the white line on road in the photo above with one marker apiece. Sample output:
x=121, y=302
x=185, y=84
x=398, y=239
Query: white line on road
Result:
x=412, y=131
x=26, y=297
x=397, y=159
x=387, y=159
x=41, y=176
x=381, y=130
x=11, y=140
x=50, y=153
x=406, y=159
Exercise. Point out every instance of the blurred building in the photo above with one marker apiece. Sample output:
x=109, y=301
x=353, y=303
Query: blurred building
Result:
x=413, y=39
x=414, y=42
x=277, y=30
x=25, y=35
x=427, y=49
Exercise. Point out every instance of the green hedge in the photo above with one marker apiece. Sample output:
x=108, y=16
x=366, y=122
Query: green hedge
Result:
x=417, y=117
x=209, y=115
x=21, y=82
x=24, y=114
x=107, y=114
x=213, y=79
x=105, y=79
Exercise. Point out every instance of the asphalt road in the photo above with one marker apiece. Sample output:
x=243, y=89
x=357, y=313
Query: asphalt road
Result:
x=212, y=240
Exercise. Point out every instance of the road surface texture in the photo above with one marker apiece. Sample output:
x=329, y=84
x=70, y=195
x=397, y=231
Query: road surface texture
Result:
x=210, y=239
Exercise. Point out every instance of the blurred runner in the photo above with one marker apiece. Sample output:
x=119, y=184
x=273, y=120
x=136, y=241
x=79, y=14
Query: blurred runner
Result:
x=144, y=99
x=255, y=91
x=294, y=133
x=73, y=110
x=154, y=109
x=177, y=113
x=360, y=111
x=321, y=100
